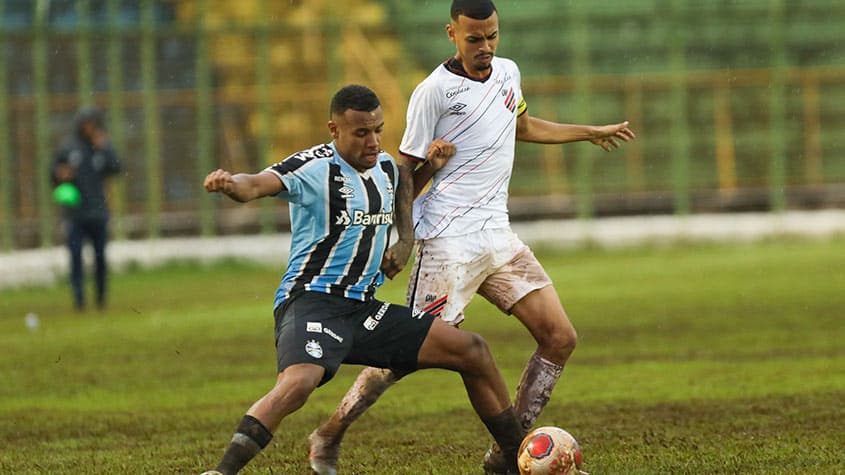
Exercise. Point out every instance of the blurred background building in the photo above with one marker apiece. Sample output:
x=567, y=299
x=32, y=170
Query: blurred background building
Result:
x=739, y=105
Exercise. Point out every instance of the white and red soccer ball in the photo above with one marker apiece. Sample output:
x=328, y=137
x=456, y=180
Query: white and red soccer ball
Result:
x=549, y=451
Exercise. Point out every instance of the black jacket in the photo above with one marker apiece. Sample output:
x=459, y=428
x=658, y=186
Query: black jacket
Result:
x=91, y=167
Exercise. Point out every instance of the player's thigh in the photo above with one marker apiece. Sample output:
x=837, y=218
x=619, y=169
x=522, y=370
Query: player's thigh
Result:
x=312, y=328
x=389, y=336
x=447, y=273
x=519, y=275
x=449, y=347
x=541, y=312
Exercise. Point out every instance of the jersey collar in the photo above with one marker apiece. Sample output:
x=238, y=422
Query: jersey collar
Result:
x=454, y=66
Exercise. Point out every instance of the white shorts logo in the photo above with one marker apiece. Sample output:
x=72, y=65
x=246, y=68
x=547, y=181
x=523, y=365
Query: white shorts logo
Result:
x=313, y=348
x=314, y=327
x=332, y=334
x=372, y=322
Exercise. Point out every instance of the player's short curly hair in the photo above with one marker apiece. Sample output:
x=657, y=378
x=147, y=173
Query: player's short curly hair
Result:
x=475, y=9
x=355, y=97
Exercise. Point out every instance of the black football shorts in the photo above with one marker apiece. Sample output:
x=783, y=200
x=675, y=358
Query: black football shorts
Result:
x=328, y=330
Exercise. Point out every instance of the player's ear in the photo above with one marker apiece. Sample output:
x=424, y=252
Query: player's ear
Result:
x=450, y=32
x=333, y=129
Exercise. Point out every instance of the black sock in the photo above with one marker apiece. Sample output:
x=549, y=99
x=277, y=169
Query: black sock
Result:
x=507, y=432
x=250, y=438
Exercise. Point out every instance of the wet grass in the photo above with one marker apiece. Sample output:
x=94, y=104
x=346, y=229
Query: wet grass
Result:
x=691, y=360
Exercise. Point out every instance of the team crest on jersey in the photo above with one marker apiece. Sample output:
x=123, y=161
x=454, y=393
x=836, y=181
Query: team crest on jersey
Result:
x=313, y=348
x=510, y=99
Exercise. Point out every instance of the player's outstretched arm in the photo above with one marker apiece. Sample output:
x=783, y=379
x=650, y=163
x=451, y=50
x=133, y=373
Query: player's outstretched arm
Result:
x=608, y=137
x=243, y=187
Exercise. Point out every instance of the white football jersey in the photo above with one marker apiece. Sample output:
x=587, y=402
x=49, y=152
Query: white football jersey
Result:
x=471, y=192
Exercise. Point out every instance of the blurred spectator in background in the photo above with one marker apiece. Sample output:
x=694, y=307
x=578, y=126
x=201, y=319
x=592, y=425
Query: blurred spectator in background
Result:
x=79, y=171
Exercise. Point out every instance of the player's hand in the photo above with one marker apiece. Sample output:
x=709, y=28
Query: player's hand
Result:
x=608, y=136
x=396, y=257
x=439, y=152
x=219, y=181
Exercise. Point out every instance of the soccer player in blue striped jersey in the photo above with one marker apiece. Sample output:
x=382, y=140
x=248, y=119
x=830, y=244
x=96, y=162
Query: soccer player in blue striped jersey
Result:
x=342, y=197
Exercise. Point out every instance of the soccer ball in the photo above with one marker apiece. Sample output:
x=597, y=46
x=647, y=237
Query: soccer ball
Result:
x=549, y=451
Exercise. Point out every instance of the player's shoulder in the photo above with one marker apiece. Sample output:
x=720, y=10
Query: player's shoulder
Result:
x=435, y=79
x=323, y=151
x=385, y=157
x=433, y=88
x=386, y=160
x=505, y=63
x=387, y=164
x=308, y=158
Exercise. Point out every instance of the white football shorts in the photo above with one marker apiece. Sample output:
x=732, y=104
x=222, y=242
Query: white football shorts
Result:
x=494, y=263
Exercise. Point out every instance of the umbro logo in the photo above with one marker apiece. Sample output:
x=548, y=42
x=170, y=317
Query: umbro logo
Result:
x=458, y=109
x=346, y=192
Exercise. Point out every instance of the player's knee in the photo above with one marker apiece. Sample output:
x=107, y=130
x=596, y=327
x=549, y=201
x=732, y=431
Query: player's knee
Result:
x=559, y=341
x=477, y=353
x=373, y=382
x=292, y=391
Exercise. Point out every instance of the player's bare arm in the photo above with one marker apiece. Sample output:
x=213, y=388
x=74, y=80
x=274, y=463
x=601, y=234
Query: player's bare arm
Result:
x=536, y=130
x=243, y=187
x=397, y=255
x=439, y=152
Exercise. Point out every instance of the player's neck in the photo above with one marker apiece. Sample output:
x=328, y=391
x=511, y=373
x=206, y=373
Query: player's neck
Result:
x=458, y=66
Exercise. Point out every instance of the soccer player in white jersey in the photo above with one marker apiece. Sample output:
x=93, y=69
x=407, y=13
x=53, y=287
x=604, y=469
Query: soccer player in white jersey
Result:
x=342, y=198
x=474, y=100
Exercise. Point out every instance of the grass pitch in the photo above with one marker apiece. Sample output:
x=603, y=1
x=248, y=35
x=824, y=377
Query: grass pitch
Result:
x=691, y=360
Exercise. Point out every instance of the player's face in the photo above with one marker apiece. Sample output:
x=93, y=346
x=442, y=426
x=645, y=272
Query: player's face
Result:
x=476, y=42
x=357, y=136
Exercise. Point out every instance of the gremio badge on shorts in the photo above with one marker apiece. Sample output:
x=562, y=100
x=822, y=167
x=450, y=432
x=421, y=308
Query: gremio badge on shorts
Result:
x=313, y=348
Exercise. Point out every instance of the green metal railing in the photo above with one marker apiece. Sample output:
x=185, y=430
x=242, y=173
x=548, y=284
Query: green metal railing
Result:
x=42, y=127
x=689, y=118
x=7, y=210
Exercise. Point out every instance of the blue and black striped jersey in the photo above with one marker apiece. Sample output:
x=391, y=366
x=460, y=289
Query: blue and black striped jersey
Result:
x=340, y=223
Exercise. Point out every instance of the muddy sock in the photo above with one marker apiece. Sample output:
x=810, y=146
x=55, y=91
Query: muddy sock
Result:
x=507, y=433
x=535, y=388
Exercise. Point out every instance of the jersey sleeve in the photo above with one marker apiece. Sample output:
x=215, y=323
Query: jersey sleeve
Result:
x=293, y=184
x=303, y=174
x=424, y=111
x=295, y=178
